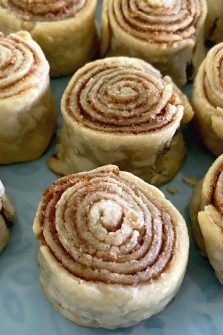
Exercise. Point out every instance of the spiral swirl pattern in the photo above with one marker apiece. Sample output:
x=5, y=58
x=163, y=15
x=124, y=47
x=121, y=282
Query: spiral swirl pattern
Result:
x=22, y=65
x=103, y=228
x=157, y=21
x=213, y=76
x=45, y=9
x=215, y=184
x=121, y=95
x=206, y=211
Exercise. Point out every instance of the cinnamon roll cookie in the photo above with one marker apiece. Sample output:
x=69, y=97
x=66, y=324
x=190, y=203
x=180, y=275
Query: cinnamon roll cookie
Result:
x=120, y=110
x=27, y=113
x=7, y=215
x=207, y=100
x=214, y=23
x=206, y=211
x=112, y=250
x=167, y=33
x=65, y=29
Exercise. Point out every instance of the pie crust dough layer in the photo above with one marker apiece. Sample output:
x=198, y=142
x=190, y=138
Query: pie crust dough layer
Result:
x=206, y=212
x=207, y=100
x=112, y=250
x=7, y=215
x=27, y=112
x=122, y=111
x=65, y=30
x=168, y=34
x=214, y=22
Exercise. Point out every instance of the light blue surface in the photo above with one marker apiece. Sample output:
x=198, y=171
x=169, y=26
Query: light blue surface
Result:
x=24, y=310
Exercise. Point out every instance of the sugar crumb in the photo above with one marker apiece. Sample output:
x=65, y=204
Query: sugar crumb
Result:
x=171, y=189
x=190, y=181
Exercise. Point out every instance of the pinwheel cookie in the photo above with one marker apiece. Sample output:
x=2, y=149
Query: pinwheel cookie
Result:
x=120, y=110
x=65, y=30
x=206, y=211
x=7, y=215
x=166, y=33
x=112, y=250
x=214, y=23
x=207, y=100
x=27, y=113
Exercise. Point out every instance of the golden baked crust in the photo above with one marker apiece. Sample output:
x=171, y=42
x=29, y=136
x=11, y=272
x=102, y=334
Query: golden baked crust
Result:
x=112, y=250
x=65, y=30
x=168, y=34
x=27, y=112
x=120, y=110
